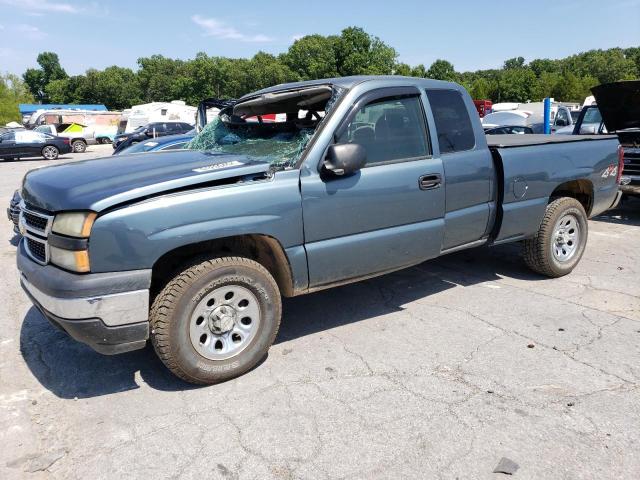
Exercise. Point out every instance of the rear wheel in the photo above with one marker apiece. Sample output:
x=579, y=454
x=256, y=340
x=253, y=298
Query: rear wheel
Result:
x=50, y=152
x=561, y=239
x=216, y=319
x=79, y=146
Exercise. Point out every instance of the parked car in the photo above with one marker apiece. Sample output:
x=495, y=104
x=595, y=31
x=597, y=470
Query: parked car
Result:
x=152, y=130
x=528, y=115
x=508, y=130
x=194, y=249
x=170, y=142
x=27, y=143
x=619, y=106
x=13, y=212
x=73, y=131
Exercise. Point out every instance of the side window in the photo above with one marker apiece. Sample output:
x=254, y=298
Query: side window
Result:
x=8, y=137
x=455, y=132
x=390, y=130
x=562, y=118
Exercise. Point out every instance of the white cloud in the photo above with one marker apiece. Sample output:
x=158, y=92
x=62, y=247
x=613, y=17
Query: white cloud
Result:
x=30, y=32
x=41, y=6
x=215, y=28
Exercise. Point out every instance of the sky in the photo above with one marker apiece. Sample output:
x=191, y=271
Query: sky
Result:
x=469, y=33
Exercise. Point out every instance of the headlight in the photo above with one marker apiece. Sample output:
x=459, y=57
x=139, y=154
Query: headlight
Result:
x=74, y=224
x=74, y=260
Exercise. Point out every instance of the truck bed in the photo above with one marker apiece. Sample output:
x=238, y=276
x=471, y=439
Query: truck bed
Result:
x=507, y=141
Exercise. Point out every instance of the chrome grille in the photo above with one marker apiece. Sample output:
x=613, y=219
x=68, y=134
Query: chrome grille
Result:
x=35, y=227
x=632, y=162
x=35, y=221
x=37, y=249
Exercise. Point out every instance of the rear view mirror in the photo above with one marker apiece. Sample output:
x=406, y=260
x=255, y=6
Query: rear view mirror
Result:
x=345, y=159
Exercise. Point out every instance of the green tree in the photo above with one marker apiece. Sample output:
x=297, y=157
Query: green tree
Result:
x=312, y=57
x=38, y=78
x=12, y=92
x=514, y=63
x=358, y=53
x=442, y=70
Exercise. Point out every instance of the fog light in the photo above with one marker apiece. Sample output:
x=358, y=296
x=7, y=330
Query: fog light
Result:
x=74, y=260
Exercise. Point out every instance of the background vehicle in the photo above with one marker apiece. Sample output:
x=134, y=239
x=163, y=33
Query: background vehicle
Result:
x=619, y=105
x=528, y=115
x=170, y=142
x=484, y=107
x=157, y=112
x=26, y=143
x=152, y=130
x=508, y=130
x=73, y=131
x=195, y=248
x=97, y=126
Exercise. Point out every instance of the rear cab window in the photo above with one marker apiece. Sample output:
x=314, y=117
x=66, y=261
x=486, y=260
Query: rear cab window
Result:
x=453, y=125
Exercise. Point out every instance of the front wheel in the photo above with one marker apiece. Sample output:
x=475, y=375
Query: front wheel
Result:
x=216, y=319
x=561, y=239
x=50, y=152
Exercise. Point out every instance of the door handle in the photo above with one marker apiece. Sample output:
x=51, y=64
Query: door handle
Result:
x=429, y=182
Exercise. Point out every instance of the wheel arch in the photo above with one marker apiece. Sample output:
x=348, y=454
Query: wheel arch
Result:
x=264, y=249
x=580, y=189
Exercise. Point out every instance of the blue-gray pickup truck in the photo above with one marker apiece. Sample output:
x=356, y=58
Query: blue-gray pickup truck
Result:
x=353, y=177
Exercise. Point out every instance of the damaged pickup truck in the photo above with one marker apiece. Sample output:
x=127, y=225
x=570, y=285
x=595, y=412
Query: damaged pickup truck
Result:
x=351, y=178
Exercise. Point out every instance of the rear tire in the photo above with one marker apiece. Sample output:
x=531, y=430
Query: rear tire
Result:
x=560, y=241
x=50, y=152
x=79, y=146
x=216, y=319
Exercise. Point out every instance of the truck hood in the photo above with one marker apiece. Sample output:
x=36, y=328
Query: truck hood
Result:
x=102, y=183
x=619, y=104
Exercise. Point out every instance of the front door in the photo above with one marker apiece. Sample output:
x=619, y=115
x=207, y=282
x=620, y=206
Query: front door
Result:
x=389, y=214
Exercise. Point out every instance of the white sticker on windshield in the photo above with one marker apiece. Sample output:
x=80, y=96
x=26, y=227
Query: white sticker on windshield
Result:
x=218, y=166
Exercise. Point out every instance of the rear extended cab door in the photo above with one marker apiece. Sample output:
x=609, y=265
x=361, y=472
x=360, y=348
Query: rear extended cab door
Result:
x=471, y=182
x=389, y=214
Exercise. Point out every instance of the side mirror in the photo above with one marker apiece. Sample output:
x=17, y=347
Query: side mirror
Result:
x=345, y=158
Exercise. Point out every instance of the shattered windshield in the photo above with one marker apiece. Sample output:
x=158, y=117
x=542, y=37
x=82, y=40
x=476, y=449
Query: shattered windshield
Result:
x=281, y=149
x=270, y=130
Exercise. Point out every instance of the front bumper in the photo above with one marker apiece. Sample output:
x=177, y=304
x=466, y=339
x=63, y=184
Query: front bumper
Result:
x=107, y=311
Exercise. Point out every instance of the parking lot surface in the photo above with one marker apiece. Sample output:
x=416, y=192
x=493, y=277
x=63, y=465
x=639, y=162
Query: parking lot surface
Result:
x=437, y=371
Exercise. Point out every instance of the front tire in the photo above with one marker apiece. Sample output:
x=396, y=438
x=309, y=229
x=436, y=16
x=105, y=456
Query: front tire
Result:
x=216, y=319
x=561, y=239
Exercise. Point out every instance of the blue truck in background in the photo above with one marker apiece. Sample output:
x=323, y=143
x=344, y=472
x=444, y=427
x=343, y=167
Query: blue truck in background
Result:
x=194, y=249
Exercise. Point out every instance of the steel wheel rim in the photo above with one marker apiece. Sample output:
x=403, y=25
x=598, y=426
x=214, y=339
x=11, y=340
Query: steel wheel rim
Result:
x=224, y=322
x=566, y=238
x=78, y=147
x=49, y=153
